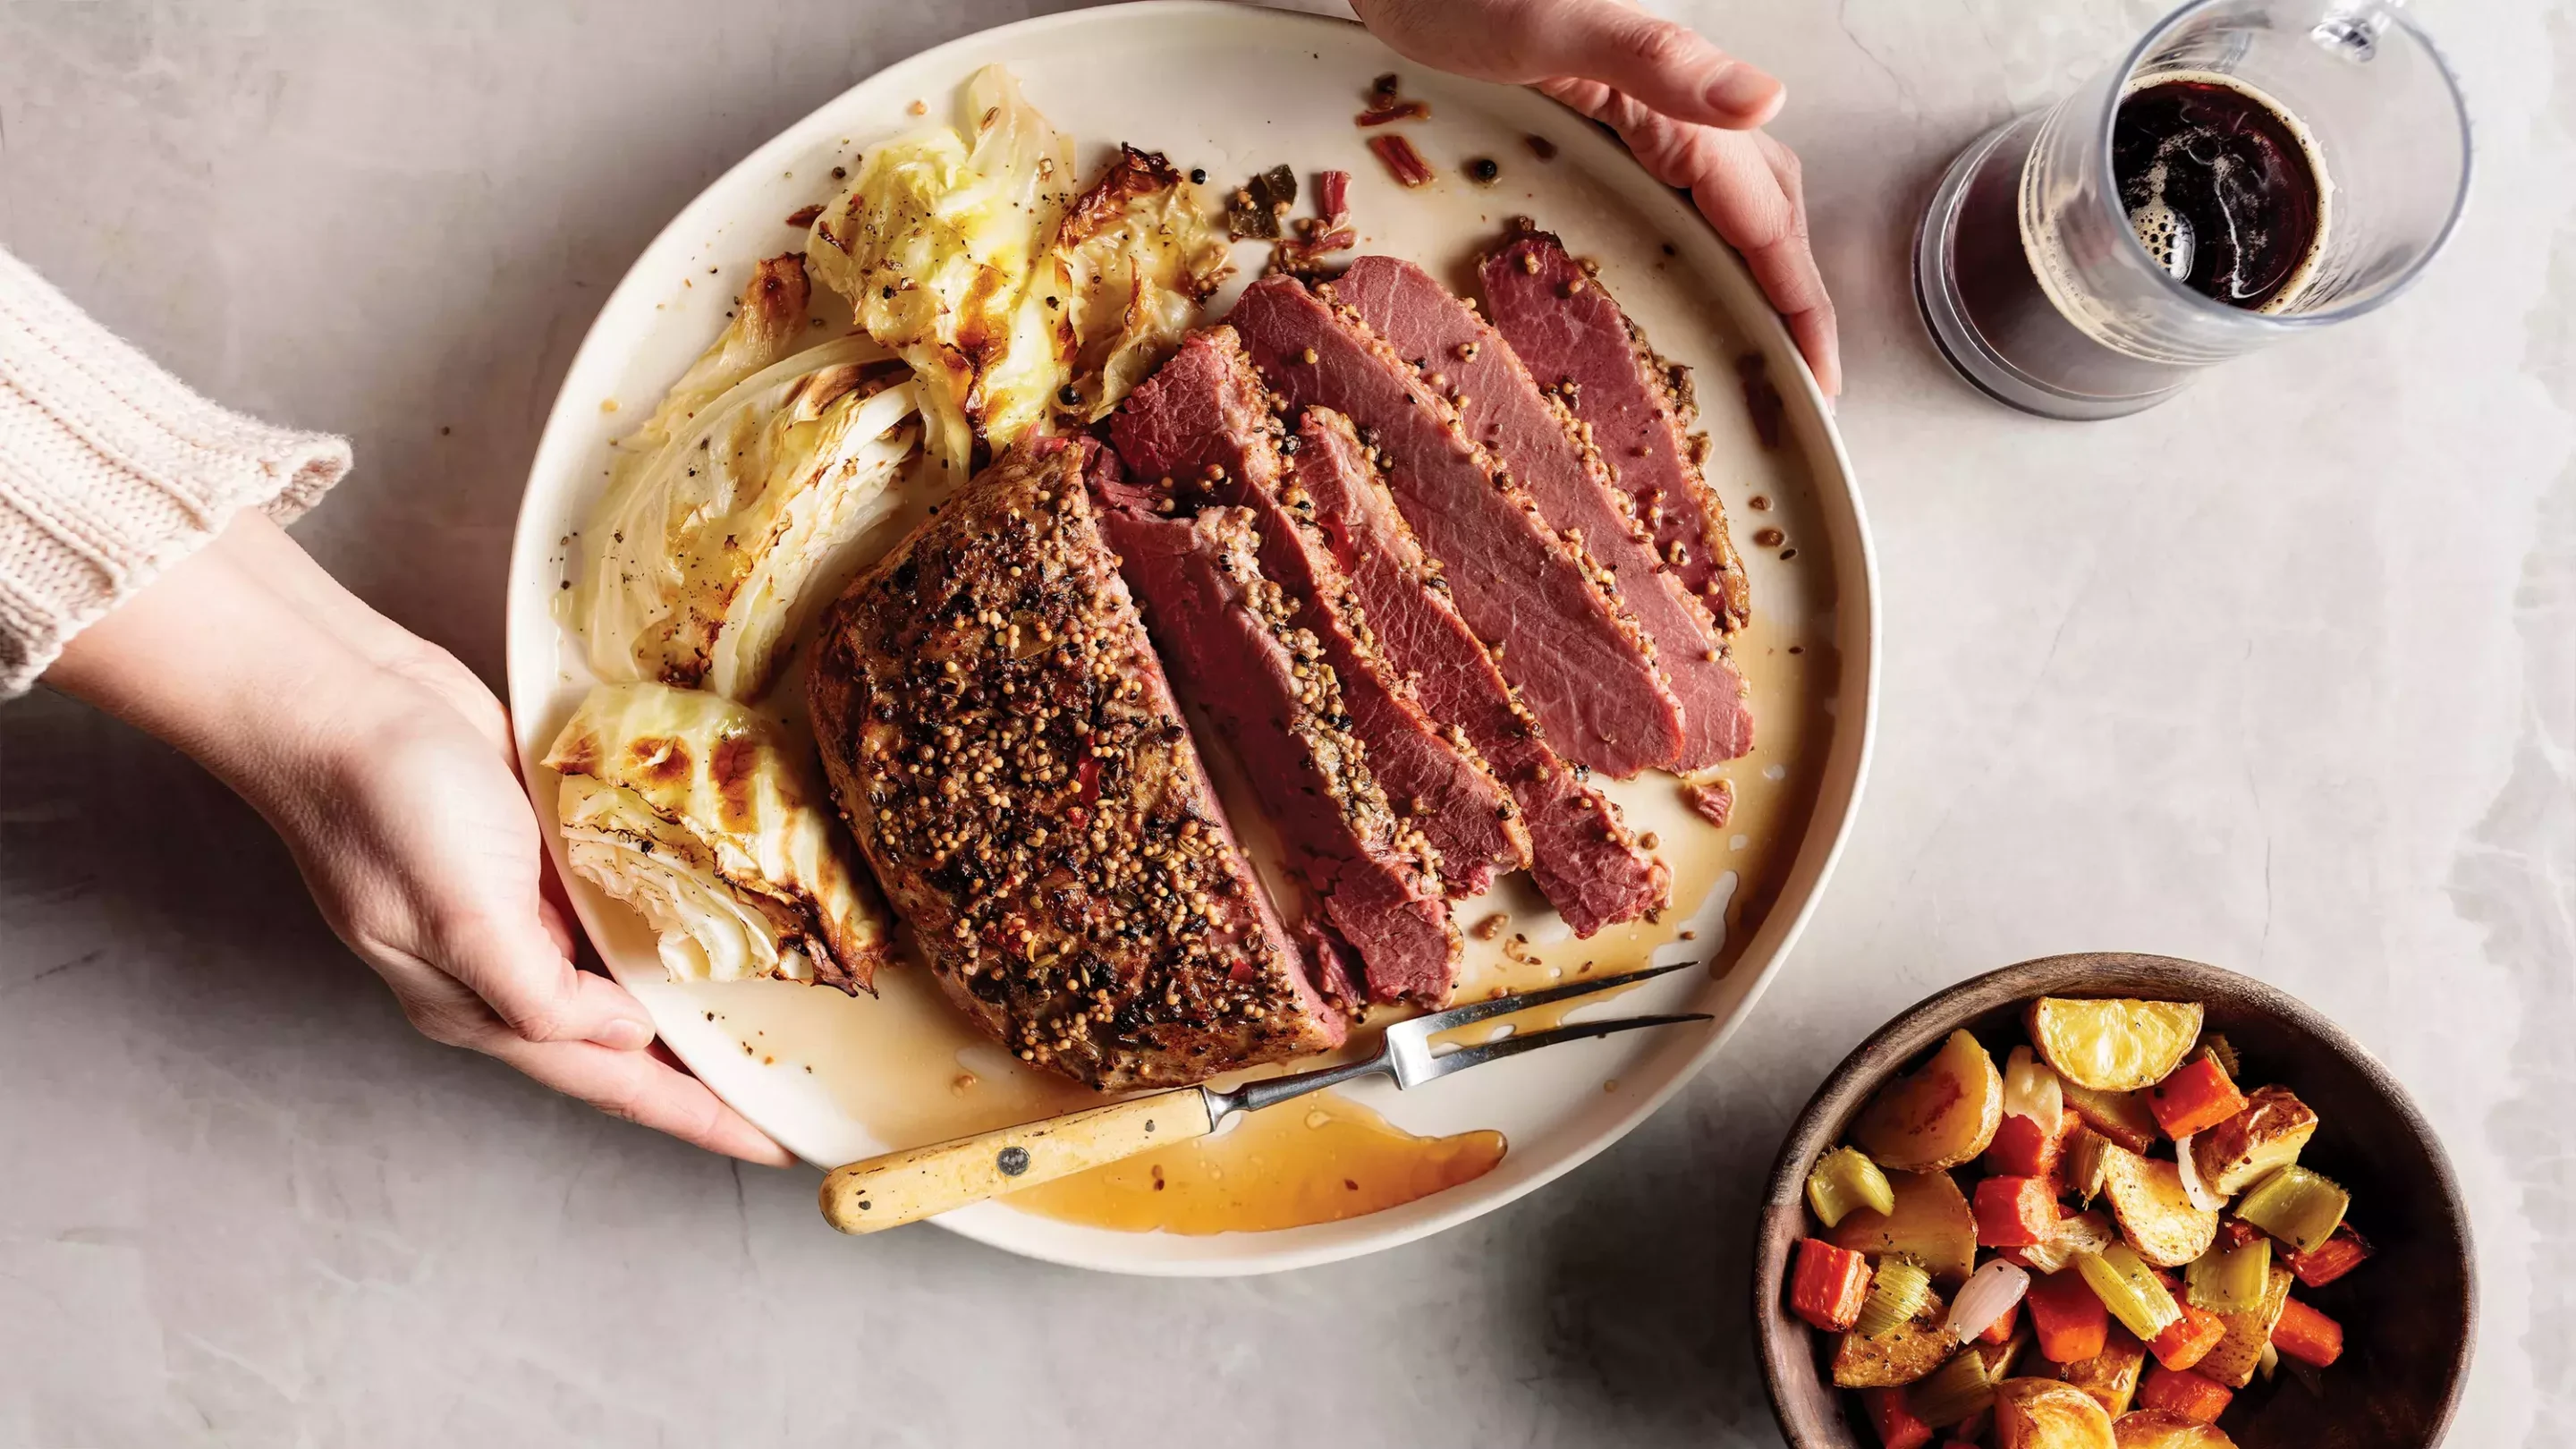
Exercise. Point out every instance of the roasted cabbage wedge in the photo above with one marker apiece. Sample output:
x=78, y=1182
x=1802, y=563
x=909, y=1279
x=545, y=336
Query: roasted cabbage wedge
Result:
x=1142, y=255
x=702, y=816
x=1020, y=304
x=943, y=245
x=726, y=508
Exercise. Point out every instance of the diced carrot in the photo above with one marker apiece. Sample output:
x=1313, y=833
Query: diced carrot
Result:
x=2330, y=1259
x=2194, y=1096
x=2307, y=1335
x=2188, y=1339
x=2015, y=1212
x=1895, y=1422
x=2020, y=1148
x=2234, y=1232
x=2071, y=1322
x=2180, y=1391
x=2001, y=1330
x=1828, y=1285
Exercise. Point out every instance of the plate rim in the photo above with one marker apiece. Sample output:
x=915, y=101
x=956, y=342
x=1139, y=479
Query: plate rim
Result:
x=1857, y=594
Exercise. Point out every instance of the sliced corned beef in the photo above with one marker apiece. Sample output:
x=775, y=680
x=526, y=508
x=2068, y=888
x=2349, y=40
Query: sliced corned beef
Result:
x=1576, y=340
x=1532, y=434
x=1202, y=427
x=1082, y=900
x=1585, y=860
x=1585, y=668
x=1224, y=633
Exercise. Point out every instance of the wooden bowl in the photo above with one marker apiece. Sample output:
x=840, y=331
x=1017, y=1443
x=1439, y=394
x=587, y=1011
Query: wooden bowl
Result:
x=2407, y=1314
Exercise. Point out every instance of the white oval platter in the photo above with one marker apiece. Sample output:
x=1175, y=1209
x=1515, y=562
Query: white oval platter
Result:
x=1235, y=90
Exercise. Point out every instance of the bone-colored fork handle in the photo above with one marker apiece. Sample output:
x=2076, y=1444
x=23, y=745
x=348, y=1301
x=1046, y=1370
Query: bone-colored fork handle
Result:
x=901, y=1187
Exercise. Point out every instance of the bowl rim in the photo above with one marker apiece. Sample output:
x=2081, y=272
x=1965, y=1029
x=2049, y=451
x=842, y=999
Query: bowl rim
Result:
x=1905, y=1035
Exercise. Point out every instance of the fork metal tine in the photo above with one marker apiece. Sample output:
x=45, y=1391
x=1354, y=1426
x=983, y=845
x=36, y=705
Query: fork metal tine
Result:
x=1476, y=1056
x=1424, y=1027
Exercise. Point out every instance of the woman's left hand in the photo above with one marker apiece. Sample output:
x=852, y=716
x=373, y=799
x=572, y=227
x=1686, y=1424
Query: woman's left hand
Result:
x=1689, y=111
x=388, y=770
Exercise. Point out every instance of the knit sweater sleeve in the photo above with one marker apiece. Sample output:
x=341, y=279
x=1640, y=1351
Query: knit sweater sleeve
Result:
x=111, y=470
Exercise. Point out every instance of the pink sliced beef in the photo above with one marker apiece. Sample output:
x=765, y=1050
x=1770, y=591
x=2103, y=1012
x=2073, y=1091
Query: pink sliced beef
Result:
x=1585, y=859
x=1576, y=340
x=1584, y=666
x=1532, y=434
x=1203, y=427
x=1225, y=634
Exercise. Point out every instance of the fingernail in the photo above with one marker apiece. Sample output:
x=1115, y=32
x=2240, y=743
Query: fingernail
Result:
x=1744, y=91
x=625, y=1036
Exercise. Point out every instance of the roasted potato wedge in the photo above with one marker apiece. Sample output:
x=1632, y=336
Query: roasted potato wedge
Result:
x=1938, y=1117
x=1909, y=1352
x=2046, y=1414
x=2113, y=1046
x=2112, y=1375
x=2155, y=1214
x=2240, y=1151
x=2240, y=1349
x=2084, y=1232
x=1932, y=1224
x=2123, y=1117
x=2156, y=1429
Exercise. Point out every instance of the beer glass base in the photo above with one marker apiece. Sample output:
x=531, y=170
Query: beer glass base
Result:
x=1936, y=293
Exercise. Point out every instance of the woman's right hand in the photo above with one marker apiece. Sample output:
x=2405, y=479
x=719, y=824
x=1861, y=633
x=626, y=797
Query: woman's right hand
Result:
x=387, y=768
x=1690, y=112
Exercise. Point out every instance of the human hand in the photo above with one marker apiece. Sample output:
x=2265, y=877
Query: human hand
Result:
x=1688, y=111
x=386, y=767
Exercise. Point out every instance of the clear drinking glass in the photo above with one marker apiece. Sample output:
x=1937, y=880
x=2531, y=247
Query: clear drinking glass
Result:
x=2031, y=271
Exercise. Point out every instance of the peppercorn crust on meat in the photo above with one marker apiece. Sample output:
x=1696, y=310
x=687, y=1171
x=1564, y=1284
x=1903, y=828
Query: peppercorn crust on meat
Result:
x=1008, y=755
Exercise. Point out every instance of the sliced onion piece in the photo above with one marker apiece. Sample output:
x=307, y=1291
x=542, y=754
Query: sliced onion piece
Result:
x=2031, y=1089
x=1990, y=1293
x=2192, y=1187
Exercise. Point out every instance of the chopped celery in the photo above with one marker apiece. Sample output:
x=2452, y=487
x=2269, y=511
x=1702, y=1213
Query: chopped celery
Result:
x=1844, y=1180
x=2129, y=1289
x=1895, y=1296
x=2300, y=1207
x=1954, y=1391
x=2231, y=1280
x=2087, y=1163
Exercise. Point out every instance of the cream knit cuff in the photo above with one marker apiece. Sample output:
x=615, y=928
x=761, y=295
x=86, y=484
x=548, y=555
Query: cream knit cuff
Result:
x=112, y=470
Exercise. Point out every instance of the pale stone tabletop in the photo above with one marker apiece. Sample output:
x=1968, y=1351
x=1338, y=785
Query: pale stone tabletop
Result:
x=2282, y=676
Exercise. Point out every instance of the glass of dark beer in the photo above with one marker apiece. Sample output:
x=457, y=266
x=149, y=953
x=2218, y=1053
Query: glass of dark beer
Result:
x=2252, y=169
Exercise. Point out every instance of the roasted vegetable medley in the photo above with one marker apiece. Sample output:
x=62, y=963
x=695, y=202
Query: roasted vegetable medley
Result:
x=2092, y=1245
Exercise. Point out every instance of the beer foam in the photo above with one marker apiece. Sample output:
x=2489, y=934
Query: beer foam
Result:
x=2169, y=243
